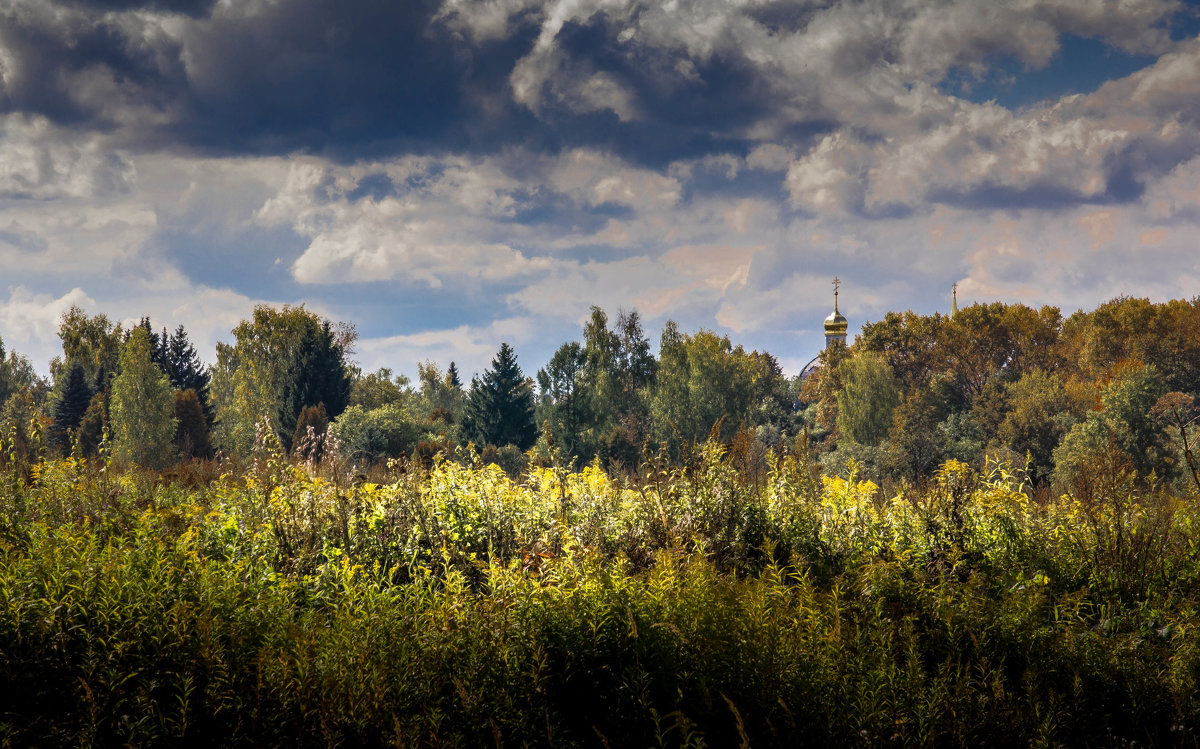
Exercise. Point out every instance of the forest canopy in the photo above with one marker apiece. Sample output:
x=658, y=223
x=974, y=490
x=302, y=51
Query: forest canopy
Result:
x=996, y=381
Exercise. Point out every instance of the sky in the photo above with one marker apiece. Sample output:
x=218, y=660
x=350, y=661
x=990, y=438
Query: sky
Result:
x=450, y=174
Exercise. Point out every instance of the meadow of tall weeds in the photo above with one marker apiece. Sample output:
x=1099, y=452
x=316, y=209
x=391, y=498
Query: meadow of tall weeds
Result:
x=281, y=604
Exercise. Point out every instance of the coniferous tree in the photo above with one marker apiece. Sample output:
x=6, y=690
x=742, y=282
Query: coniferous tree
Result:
x=499, y=408
x=182, y=364
x=192, y=437
x=452, y=378
x=70, y=408
x=91, y=429
x=319, y=377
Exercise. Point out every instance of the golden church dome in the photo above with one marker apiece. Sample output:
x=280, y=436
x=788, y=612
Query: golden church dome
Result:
x=836, y=324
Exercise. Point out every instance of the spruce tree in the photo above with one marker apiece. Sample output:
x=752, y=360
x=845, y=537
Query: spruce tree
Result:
x=182, y=364
x=318, y=377
x=499, y=409
x=192, y=437
x=71, y=405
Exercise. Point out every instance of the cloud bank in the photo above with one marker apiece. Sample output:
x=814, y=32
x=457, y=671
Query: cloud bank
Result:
x=442, y=172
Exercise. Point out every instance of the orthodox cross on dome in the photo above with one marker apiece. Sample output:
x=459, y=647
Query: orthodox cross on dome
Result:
x=835, y=324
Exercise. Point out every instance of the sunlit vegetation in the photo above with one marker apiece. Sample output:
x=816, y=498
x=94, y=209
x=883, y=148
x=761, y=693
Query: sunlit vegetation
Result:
x=981, y=531
x=693, y=605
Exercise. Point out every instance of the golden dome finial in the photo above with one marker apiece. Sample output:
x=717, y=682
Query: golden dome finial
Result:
x=835, y=324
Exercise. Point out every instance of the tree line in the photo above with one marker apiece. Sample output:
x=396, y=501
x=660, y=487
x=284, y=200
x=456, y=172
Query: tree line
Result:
x=1003, y=380
x=1025, y=385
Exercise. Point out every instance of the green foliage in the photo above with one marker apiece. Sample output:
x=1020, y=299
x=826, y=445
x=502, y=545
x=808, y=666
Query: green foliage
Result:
x=704, y=382
x=459, y=607
x=915, y=443
x=367, y=436
x=1166, y=336
x=565, y=403
x=441, y=397
x=317, y=375
x=69, y=408
x=192, y=438
x=93, y=427
x=499, y=408
x=93, y=342
x=1125, y=420
x=1039, y=417
x=177, y=357
x=380, y=388
x=867, y=399
x=142, y=407
x=282, y=360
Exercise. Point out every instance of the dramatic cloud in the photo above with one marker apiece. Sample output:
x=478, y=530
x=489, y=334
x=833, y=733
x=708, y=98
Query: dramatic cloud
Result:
x=449, y=174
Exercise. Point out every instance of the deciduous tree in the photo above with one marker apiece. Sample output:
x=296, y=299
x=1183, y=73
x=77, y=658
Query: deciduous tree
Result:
x=143, y=407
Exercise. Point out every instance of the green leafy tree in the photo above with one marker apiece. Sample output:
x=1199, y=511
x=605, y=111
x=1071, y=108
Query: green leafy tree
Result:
x=1039, y=418
x=704, y=380
x=441, y=395
x=915, y=444
x=1166, y=336
x=868, y=397
x=94, y=342
x=499, y=409
x=93, y=427
x=22, y=429
x=907, y=342
x=143, y=407
x=282, y=360
x=1125, y=420
x=380, y=388
x=17, y=374
x=563, y=405
x=988, y=340
x=385, y=432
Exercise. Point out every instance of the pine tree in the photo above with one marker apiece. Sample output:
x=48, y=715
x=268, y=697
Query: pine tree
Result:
x=72, y=404
x=452, y=378
x=143, y=407
x=499, y=409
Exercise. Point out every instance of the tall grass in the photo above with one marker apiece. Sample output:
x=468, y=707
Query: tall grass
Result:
x=301, y=605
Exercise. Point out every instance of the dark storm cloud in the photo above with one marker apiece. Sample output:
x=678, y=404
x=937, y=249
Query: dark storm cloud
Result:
x=364, y=79
x=51, y=59
x=192, y=8
x=315, y=75
x=322, y=76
